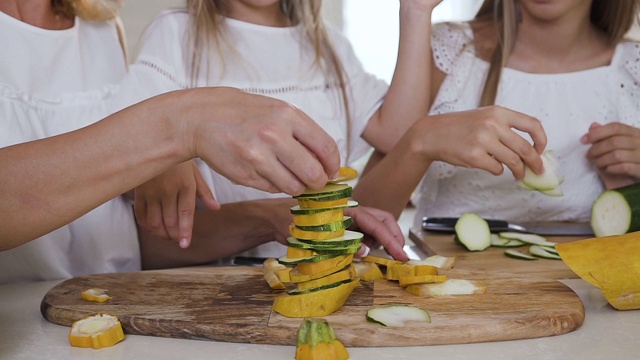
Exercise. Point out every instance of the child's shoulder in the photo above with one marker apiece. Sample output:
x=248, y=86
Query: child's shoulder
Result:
x=171, y=16
x=627, y=57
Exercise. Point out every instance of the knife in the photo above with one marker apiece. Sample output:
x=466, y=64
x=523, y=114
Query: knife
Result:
x=557, y=228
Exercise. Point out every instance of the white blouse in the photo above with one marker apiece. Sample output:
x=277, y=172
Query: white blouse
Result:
x=269, y=61
x=52, y=82
x=565, y=103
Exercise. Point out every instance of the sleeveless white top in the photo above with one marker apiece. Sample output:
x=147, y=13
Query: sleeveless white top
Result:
x=271, y=61
x=52, y=82
x=565, y=103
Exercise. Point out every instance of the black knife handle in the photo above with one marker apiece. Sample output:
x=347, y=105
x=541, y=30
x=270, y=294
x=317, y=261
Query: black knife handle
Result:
x=447, y=224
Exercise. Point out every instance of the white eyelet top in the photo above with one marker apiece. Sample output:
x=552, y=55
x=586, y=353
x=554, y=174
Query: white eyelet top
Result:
x=565, y=103
x=52, y=82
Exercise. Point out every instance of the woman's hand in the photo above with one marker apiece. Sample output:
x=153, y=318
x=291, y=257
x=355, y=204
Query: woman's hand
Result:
x=165, y=205
x=615, y=152
x=258, y=141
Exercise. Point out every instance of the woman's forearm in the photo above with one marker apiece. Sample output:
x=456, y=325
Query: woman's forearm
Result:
x=50, y=182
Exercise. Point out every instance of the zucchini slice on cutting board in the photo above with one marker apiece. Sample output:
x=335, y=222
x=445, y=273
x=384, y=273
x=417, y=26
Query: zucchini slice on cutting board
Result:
x=472, y=231
x=616, y=211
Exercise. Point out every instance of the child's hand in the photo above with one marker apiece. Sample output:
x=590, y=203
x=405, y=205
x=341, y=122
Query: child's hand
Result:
x=483, y=138
x=379, y=227
x=165, y=205
x=615, y=152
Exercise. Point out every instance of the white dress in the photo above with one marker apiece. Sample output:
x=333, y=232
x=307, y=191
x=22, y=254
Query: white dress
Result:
x=52, y=82
x=268, y=61
x=566, y=104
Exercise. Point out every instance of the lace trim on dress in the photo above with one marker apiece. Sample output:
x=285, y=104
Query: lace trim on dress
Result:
x=449, y=40
x=260, y=91
x=292, y=88
x=167, y=74
x=629, y=87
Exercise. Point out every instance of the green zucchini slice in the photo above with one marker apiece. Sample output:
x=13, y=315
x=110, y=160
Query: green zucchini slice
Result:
x=616, y=211
x=473, y=232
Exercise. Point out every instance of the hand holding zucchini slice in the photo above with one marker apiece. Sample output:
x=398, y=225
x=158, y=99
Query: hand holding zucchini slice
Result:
x=549, y=181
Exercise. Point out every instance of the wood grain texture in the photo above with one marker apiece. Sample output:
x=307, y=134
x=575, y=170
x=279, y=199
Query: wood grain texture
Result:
x=493, y=259
x=233, y=304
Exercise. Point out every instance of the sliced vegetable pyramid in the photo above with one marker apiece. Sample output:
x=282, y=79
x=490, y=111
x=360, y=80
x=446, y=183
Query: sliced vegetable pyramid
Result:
x=320, y=252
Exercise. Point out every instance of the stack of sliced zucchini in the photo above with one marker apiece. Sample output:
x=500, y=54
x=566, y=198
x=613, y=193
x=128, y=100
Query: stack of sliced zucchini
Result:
x=319, y=255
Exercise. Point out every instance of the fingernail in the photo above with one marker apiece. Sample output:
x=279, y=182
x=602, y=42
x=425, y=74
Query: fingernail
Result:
x=184, y=243
x=336, y=175
x=365, y=250
x=583, y=139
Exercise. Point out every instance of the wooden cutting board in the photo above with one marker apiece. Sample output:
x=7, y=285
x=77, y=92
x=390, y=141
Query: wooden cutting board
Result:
x=492, y=259
x=233, y=304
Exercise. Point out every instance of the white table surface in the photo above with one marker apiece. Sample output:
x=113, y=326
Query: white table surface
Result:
x=24, y=334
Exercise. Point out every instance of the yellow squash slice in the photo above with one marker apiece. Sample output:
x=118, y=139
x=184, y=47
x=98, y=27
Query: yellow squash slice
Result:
x=95, y=294
x=345, y=274
x=96, y=332
x=611, y=263
x=368, y=271
x=381, y=261
x=314, y=235
x=314, y=304
x=422, y=279
x=315, y=204
x=310, y=268
x=320, y=218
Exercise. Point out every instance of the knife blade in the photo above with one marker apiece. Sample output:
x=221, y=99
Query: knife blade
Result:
x=555, y=228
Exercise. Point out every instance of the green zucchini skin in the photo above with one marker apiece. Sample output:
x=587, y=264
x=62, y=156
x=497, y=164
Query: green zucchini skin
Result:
x=627, y=204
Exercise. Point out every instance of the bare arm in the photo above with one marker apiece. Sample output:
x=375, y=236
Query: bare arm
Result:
x=409, y=91
x=234, y=228
x=240, y=226
x=253, y=140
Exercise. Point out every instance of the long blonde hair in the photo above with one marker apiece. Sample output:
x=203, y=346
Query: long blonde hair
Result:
x=613, y=17
x=94, y=10
x=206, y=30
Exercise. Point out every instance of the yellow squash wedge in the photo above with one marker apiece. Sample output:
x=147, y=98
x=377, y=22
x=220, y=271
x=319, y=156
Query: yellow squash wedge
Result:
x=310, y=268
x=380, y=260
x=295, y=253
x=342, y=275
x=422, y=279
x=368, y=271
x=96, y=332
x=314, y=235
x=611, y=263
x=320, y=218
x=314, y=304
x=95, y=294
x=314, y=204
x=274, y=281
x=296, y=276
